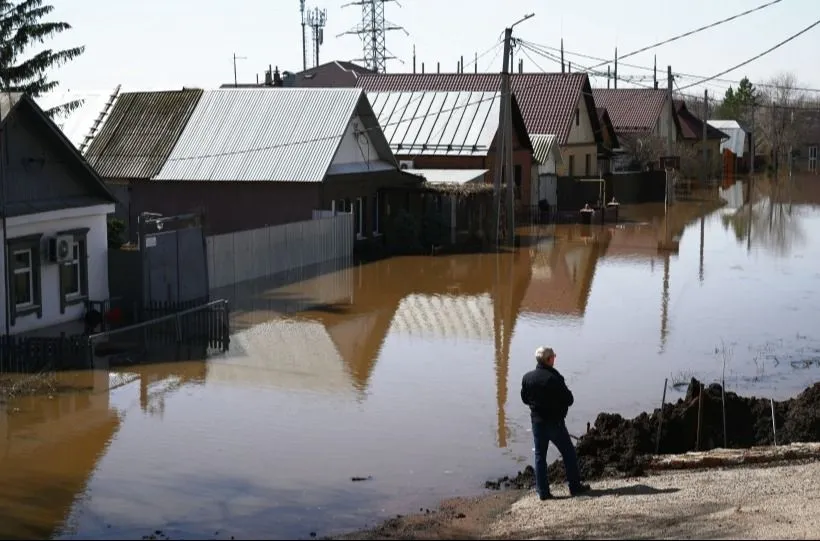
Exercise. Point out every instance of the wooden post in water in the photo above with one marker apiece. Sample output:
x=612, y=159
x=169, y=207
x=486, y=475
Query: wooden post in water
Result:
x=660, y=417
x=700, y=417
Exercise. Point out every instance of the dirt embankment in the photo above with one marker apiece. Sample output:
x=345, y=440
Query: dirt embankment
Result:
x=615, y=446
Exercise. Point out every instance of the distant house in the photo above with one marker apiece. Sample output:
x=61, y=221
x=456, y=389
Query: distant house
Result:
x=551, y=104
x=737, y=147
x=691, y=135
x=806, y=156
x=55, y=214
x=636, y=114
x=248, y=158
x=453, y=131
x=335, y=74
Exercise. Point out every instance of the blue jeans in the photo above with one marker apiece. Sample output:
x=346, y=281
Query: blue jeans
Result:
x=556, y=432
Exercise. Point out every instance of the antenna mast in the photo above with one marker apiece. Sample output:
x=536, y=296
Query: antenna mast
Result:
x=372, y=31
x=316, y=20
x=304, y=35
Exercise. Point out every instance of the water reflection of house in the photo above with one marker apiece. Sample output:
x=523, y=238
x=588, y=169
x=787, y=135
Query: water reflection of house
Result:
x=562, y=270
x=294, y=354
x=50, y=447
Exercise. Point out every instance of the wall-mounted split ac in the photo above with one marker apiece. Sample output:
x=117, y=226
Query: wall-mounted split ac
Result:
x=406, y=164
x=60, y=249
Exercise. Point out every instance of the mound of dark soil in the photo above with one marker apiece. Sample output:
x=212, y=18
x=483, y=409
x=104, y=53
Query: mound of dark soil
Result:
x=618, y=446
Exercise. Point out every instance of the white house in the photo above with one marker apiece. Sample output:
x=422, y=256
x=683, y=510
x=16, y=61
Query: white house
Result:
x=54, y=207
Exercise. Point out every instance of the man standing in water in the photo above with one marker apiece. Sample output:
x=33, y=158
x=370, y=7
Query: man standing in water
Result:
x=549, y=399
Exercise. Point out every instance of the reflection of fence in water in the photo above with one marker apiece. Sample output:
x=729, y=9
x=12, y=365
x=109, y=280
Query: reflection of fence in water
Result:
x=190, y=334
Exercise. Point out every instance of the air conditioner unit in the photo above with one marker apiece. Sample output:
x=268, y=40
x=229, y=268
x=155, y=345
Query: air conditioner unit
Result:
x=406, y=164
x=60, y=248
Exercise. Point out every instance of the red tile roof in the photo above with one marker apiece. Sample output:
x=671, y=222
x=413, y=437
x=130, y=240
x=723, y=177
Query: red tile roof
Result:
x=547, y=100
x=691, y=127
x=632, y=110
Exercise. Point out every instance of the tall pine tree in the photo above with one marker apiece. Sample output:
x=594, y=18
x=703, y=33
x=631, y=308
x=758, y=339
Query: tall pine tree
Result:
x=737, y=103
x=22, y=28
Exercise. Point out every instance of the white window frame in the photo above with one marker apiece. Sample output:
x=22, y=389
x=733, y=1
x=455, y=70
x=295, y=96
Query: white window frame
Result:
x=360, y=217
x=76, y=262
x=813, y=159
x=377, y=211
x=25, y=270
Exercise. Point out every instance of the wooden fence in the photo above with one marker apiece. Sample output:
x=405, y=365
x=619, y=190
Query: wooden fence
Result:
x=248, y=255
x=27, y=354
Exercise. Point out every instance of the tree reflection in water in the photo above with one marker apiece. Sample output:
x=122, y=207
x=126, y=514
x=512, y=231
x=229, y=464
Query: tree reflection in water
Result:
x=770, y=221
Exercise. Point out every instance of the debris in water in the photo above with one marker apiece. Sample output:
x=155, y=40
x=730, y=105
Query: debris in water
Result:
x=358, y=479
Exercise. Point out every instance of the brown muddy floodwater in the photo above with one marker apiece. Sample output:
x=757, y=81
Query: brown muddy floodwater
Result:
x=406, y=372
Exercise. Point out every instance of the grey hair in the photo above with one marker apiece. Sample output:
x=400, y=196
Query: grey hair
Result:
x=543, y=353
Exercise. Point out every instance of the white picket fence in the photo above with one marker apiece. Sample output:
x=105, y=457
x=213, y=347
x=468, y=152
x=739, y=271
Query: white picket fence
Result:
x=257, y=253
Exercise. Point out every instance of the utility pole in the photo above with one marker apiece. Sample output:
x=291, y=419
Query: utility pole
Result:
x=616, y=67
x=670, y=192
x=704, y=173
x=608, y=76
x=562, y=55
x=504, y=150
x=775, y=149
x=235, y=58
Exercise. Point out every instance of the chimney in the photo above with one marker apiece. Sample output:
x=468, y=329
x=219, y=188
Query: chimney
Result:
x=422, y=67
x=257, y=78
x=462, y=64
x=438, y=67
x=520, y=65
x=277, y=77
x=268, y=77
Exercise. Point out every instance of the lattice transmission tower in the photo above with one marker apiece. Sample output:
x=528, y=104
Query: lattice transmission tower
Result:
x=372, y=31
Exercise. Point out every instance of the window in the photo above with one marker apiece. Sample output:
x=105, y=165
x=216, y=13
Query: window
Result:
x=74, y=272
x=24, y=276
x=577, y=117
x=517, y=178
x=376, y=212
x=571, y=166
x=588, y=164
x=360, y=216
x=813, y=159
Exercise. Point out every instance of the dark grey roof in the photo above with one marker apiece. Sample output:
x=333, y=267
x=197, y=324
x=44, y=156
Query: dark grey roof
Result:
x=140, y=133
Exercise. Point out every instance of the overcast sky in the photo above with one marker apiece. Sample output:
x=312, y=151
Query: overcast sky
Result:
x=164, y=44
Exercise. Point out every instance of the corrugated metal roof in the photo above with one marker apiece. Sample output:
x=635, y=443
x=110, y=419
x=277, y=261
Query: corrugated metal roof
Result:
x=737, y=136
x=438, y=123
x=547, y=100
x=631, y=109
x=140, y=132
x=545, y=147
x=445, y=316
x=449, y=176
x=290, y=134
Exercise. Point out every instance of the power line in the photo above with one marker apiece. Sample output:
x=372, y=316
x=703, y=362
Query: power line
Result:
x=676, y=74
x=756, y=57
x=691, y=32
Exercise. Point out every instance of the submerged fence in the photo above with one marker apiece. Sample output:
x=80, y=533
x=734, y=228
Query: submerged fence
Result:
x=248, y=255
x=190, y=334
x=173, y=332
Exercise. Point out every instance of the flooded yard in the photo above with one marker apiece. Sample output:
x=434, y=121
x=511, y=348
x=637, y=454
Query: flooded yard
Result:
x=381, y=388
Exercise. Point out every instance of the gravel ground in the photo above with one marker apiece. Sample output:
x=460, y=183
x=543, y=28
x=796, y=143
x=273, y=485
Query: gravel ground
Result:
x=774, y=502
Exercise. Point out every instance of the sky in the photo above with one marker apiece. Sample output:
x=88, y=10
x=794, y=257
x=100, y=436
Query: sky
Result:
x=168, y=44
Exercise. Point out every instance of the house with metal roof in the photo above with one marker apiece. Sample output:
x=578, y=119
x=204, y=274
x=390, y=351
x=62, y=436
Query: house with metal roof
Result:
x=248, y=158
x=559, y=104
x=453, y=131
x=691, y=136
x=55, y=233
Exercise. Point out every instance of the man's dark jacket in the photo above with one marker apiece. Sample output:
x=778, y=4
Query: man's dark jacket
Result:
x=546, y=393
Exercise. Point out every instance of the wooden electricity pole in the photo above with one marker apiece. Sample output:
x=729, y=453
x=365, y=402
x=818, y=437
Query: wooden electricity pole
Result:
x=704, y=173
x=504, y=145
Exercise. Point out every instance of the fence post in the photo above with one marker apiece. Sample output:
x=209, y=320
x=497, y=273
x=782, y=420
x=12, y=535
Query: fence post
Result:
x=178, y=328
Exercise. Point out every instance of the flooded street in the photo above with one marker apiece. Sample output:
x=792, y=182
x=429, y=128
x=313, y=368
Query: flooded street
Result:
x=404, y=374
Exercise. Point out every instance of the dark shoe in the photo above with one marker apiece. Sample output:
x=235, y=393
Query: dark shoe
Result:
x=546, y=497
x=580, y=490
